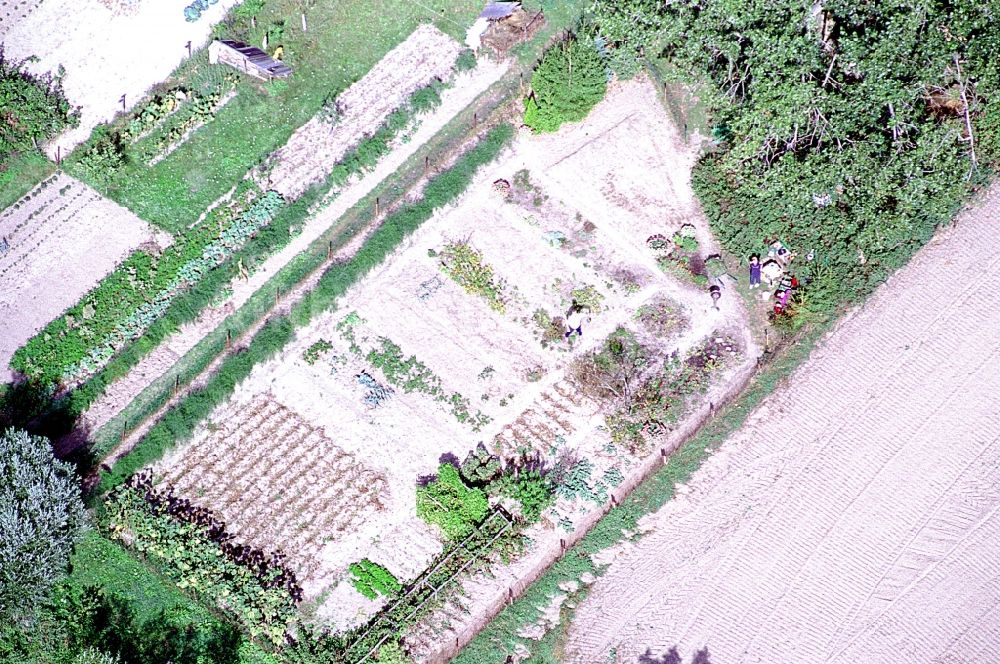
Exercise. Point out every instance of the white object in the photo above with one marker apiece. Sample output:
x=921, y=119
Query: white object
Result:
x=473, y=38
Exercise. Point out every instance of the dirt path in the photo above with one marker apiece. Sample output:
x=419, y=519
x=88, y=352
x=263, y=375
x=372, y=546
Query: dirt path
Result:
x=466, y=89
x=856, y=516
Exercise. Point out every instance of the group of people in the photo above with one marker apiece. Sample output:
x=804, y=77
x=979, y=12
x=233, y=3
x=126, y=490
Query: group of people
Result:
x=774, y=270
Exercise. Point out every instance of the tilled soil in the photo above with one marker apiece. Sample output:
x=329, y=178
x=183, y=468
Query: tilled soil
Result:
x=855, y=517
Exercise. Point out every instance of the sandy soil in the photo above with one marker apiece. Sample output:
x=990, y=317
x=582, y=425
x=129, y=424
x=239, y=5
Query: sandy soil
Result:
x=530, y=403
x=466, y=87
x=106, y=54
x=856, y=516
x=62, y=241
x=316, y=147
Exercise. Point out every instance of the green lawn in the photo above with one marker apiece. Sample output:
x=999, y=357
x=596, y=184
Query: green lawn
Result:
x=19, y=174
x=344, y=40
x=98, y=561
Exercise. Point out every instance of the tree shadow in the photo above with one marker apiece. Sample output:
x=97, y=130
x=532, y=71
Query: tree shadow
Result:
x=674, y=657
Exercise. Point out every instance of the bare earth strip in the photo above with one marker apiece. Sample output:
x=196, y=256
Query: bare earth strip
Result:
x=57, y=244
x=856, y=515
x=467, y=87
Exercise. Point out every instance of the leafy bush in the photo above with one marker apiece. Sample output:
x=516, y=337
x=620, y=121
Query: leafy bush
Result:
x=41, y=518
x=371, y=579
x=34, y=108
x=466, y=60
x=568, y=82
x=464, y=264
x=451, y=504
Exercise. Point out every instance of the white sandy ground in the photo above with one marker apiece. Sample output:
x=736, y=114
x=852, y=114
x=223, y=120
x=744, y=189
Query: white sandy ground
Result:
x=62, y=241
x=465, y=89
x=106, y=55
x=855, y=517
x=457, y=335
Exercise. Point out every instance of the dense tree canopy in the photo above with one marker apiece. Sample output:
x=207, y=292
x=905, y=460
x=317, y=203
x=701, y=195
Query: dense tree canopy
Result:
x=846, y=129
x=41, y=517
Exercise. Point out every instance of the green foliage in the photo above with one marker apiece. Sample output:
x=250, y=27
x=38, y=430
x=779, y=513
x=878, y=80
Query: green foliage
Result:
x=531, y=489
x=248, y=9
x=568, y=82
x=187, y=556
x=312, y=354
x=41, y=519
x=128, y=301
x=32, y=108
x=451, y=504
x=464, y=264
x=371, y=579
x=392, y=653
x=466, y=60
x=843, y=133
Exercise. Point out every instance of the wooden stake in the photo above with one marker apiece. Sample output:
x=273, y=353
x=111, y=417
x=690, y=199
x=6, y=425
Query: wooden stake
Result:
x=562, y=545
x=122, y=100
x=58, y=155
x=663, y=454
x=277, y=294
x=475, y=120
x=229, y=338
x=188, y=47
x=304, y=27
x=329, y=250
x=376, y=206
x=124, y=430
x=177, y=383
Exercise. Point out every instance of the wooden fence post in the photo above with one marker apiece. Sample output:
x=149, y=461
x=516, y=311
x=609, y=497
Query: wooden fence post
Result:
x=376, y=206
x=427, y=164
x=124, y=430
x=304, y=26
x=229, y=338
x=329, y=250
x=177, y=383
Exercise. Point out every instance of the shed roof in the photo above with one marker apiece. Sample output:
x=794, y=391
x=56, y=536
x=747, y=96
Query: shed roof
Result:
x=258, y=58
x=499, y=9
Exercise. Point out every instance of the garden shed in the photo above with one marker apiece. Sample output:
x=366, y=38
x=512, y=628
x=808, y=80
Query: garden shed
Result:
x=248, y=59
x=495, y=11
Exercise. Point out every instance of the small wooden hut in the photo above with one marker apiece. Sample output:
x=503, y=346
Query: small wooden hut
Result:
x=248, y=59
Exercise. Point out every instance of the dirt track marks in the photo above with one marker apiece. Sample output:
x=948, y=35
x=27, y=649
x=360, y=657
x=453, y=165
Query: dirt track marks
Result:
x=855, y=516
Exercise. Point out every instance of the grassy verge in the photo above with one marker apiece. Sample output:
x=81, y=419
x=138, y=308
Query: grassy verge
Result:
x=493, y=644
x=20, y=174
x=344, y=40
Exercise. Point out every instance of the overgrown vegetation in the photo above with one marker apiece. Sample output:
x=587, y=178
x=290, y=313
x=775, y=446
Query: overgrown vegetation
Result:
x=569, y=81
x=465, y=265
x=446, y=501
x=851, y=132
x=32, y=108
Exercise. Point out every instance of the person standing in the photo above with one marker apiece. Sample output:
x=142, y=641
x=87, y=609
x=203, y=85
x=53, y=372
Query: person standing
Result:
x=754, y=270
x=575, y=318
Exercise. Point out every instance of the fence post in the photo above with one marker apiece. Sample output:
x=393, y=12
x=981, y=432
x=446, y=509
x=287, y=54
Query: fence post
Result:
x=376, y=206
x=329, y=250
x=229, y=338
x=124, y=430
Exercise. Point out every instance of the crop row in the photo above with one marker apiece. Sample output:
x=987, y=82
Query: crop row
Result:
x=126, y=302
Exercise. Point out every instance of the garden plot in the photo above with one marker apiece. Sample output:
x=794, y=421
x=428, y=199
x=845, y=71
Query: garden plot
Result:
x=105, y=54
x=55, y=244
x=313, y=150
x=397, y=375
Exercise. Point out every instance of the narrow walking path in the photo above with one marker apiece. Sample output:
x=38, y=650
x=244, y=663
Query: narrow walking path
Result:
x=856, y=515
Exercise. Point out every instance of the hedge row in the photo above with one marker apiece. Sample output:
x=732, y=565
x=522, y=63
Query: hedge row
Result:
x=179, y=423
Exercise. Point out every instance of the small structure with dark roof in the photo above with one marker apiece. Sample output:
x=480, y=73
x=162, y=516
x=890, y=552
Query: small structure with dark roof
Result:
x=499, y=9
x=248, y=59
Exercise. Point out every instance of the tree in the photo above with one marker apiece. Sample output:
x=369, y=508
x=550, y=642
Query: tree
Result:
x=41, y=518
x=569, y=81
x=32, y=108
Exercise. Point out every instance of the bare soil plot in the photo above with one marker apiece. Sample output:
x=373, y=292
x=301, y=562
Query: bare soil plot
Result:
x=316, y=147
x=106, y=54
x=416, y=363
x=61, y=239
x=856, y=516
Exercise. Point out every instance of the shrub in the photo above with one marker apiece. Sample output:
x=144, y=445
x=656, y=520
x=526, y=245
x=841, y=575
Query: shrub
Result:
x=41, y=518
x=466, y=60
x=451, y=504
x=371, y=579
x=32, y=108
x=566, y=84
x=465, y=265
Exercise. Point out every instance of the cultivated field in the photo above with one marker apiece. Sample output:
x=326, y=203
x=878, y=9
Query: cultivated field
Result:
x=313, y=150
x=106, y=54
x=417, y=362
x=856, y=515
x=60, y=239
